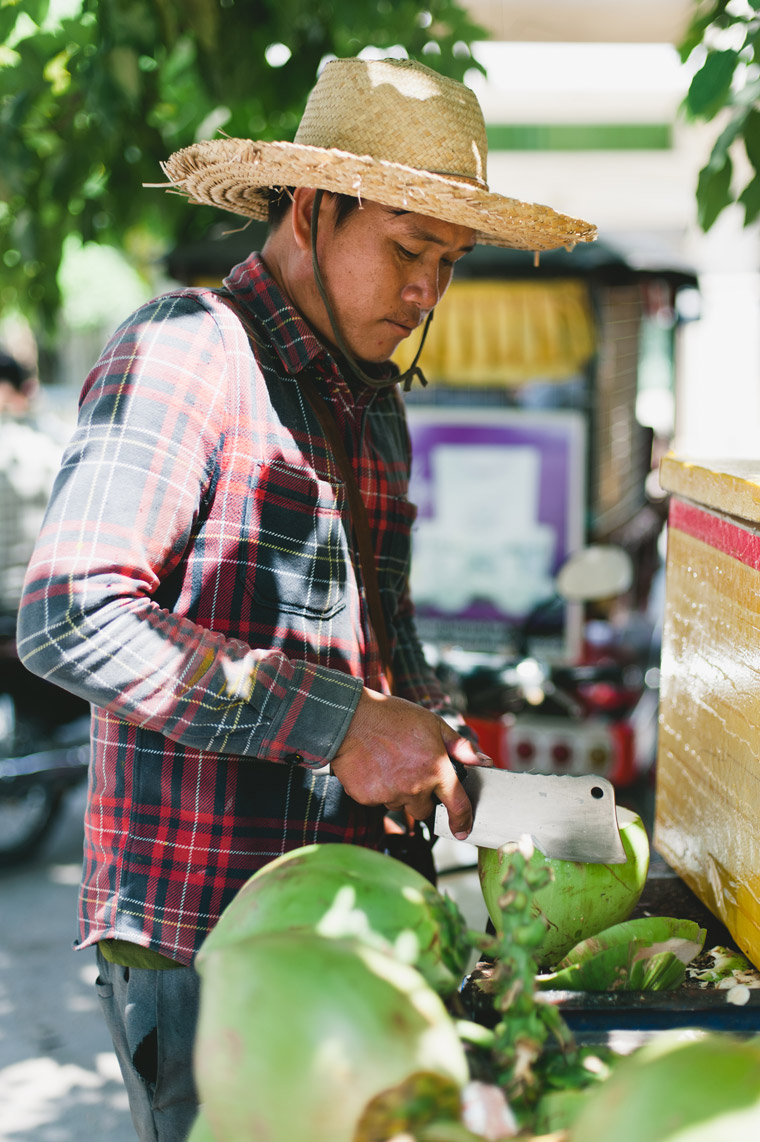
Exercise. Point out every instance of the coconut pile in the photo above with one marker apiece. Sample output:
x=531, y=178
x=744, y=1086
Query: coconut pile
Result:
x=333, y=1007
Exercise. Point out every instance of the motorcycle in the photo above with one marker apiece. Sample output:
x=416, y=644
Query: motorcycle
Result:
x=596, y=714
x=44, y=752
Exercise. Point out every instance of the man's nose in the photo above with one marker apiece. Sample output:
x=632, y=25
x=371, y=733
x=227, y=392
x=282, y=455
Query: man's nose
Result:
x=423, y=288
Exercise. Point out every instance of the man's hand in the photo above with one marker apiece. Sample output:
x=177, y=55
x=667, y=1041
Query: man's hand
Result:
x=399, y=755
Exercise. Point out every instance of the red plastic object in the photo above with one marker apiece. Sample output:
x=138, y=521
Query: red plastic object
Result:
x=494, y=738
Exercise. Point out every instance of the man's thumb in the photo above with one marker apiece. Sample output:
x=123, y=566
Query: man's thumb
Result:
x=463, y=750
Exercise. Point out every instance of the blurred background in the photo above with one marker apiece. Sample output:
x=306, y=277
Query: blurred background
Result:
x=556, y=385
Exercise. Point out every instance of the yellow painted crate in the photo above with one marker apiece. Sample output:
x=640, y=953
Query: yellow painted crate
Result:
x=707, y=817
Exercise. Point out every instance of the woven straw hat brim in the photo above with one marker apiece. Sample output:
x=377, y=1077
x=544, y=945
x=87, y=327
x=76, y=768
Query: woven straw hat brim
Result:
x=234, y=174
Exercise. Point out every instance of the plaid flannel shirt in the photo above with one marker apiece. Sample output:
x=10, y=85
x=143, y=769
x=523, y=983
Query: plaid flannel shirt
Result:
x=195, y=580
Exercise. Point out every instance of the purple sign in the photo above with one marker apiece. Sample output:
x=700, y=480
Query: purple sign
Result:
x=500, y=497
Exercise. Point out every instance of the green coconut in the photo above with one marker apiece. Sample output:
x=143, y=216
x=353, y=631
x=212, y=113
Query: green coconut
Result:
x=299, y=1034
x=581, y=899
x=648, y=954
x=676, y=1090
x=346, y=890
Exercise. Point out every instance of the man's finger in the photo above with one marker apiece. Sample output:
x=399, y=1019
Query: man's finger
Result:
x=485, y=760
x=419, y=807
x=457, y=804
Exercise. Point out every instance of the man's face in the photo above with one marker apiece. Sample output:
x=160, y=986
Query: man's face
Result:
x=384, y=271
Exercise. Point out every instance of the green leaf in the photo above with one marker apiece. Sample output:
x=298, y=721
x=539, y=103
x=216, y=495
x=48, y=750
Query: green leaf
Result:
x=752, y=137
x=713, y=193
x=710, y=86
x=123, y=84
x=750, y=200
x=746, y=96
x=10, y=10
x=8, y=17
x=719, y=153
x=702, y=20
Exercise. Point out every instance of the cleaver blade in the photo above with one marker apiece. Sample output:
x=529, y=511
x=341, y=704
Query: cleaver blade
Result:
x=566, y=817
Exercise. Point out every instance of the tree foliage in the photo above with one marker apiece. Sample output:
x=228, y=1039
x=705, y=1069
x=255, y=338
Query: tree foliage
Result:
x=724, y=36
x=94, y=94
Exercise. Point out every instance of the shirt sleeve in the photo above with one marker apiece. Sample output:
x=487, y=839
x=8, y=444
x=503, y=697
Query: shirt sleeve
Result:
x=124, y=505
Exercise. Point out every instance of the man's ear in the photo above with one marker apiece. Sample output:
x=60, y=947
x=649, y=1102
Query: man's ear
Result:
x=303, y=204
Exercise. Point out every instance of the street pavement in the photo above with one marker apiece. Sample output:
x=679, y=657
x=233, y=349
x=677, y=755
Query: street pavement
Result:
x=59, y=1079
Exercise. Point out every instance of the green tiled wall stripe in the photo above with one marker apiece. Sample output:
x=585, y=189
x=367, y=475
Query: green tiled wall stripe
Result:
x=580, y=136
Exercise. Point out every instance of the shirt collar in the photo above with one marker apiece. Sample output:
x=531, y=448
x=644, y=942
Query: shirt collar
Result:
x=256, y=290
x=291, y=337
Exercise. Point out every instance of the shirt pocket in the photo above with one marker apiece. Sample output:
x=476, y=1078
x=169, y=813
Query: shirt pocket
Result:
x=297, y=552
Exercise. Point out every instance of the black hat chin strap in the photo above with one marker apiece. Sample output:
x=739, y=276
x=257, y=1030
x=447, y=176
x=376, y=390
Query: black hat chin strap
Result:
x=414, y=369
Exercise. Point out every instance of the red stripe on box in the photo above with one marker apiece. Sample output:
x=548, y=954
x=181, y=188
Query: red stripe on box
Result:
x=717, y=531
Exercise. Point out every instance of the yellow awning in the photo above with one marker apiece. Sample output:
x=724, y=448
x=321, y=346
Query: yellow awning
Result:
x=492, y=333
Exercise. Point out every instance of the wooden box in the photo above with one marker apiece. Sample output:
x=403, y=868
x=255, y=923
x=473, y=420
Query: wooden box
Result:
x=707, y=815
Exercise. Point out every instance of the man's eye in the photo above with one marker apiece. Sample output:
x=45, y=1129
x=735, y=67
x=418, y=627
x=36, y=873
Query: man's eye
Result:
x=410, y=254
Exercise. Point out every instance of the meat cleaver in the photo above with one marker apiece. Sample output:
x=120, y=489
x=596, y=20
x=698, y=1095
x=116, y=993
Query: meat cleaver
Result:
x=567, y=817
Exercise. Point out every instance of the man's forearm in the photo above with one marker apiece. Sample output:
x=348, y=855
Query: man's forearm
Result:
x=166, y=673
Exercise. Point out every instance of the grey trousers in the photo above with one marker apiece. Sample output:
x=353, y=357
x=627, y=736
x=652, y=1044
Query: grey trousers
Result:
x=151, y=1016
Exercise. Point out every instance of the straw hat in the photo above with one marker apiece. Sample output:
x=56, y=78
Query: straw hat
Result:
x=391, y=131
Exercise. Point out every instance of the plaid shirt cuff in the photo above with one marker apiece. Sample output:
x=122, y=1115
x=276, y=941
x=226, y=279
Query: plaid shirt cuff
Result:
x=309, y=728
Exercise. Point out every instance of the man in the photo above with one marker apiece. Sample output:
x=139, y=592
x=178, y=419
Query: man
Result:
x=198, y=576
x=29, y=459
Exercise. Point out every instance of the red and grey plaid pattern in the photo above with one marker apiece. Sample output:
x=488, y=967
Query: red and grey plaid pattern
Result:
x=194, y=580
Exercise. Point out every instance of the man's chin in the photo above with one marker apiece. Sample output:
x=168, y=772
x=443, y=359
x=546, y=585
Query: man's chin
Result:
x=388, y=346
x=378, y=368
x=378, y=357
x=381, y=351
